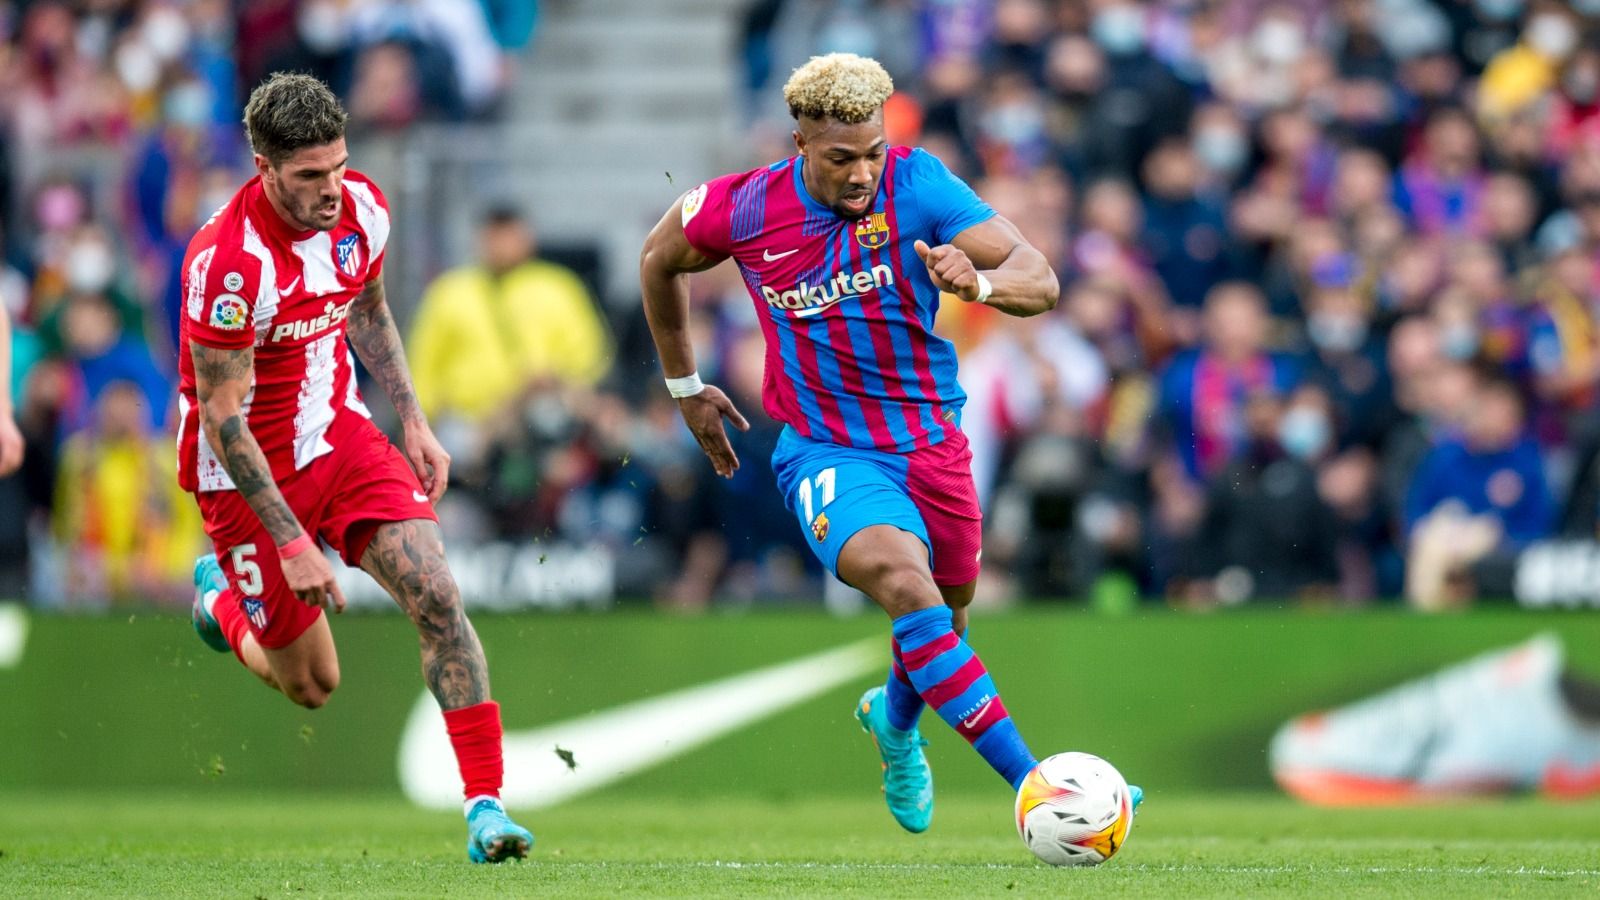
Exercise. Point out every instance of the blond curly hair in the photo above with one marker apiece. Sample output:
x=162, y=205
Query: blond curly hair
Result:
x=840, y=86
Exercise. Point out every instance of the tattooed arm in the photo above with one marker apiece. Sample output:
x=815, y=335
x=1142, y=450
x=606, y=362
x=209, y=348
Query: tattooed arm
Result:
x=222, y=378
x=377, y=342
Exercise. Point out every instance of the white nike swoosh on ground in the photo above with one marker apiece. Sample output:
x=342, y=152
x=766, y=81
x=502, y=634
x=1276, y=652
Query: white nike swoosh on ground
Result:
x=13, y=634
x=769, y=256
x=624, y=740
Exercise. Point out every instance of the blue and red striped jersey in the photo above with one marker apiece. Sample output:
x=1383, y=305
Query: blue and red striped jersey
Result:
x=846, y=305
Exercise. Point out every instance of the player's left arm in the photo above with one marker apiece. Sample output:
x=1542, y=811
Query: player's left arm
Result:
x=377, y=342
x=10, y=438
x=1021, y=282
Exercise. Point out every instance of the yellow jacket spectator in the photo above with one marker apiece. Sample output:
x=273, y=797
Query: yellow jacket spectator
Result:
x=126, y=529
x=486, y=332
x=1523, y=73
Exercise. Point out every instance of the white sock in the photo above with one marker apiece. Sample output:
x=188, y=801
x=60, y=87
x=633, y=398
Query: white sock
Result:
x=470, y=802
x=209, y=601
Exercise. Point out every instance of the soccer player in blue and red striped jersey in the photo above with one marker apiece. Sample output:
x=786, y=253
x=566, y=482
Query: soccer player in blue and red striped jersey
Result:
x=845, y=248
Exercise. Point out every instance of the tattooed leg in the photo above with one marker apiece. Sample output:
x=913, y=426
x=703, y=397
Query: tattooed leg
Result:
x=407, y=558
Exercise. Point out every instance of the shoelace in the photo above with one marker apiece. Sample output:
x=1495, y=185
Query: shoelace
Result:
x=901, y=775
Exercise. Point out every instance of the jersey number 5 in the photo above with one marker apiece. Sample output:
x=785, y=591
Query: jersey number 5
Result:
x=824, y=486
x=249, y=572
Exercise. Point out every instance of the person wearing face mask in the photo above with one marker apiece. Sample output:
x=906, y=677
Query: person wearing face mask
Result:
x=1267, y=533
x=1186, y=234
x=1140, y=101
x=88, y=268
x=1345, y=359
x=1221, y=144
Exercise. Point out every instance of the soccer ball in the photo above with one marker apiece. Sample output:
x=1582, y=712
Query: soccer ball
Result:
x=1074, y=809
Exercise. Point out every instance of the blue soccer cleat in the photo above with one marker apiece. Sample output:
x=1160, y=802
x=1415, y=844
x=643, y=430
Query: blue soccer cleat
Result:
x=491, y=835
x=1137, y=793
x=208, y=579
x=907, y=779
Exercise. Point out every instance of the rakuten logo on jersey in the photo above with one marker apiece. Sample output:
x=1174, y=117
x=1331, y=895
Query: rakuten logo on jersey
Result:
x=298, y=331
x=806, y=299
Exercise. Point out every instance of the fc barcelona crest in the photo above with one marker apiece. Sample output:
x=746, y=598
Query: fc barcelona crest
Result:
x=819, y=527
x=873, y=232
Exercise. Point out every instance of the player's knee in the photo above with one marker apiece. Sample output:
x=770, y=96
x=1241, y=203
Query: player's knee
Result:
x=309, y=690
x=326, y=679
x=438, y=602
x=900, y=587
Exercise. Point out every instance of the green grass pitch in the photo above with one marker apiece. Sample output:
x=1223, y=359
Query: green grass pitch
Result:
x=1224, y=845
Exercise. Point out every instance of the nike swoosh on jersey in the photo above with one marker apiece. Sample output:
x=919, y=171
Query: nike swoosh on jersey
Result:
x=284, y=292
x=419, y=496
x=769, y=256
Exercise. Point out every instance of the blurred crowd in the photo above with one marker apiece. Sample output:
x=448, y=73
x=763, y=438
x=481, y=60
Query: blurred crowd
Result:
x=1327, y=330
x=119, y=134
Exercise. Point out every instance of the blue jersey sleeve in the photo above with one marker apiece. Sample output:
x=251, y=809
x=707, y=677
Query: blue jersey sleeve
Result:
x=947, y=205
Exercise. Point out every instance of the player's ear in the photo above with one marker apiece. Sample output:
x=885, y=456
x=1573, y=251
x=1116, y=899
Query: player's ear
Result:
x=799, y=142
x=263, y=166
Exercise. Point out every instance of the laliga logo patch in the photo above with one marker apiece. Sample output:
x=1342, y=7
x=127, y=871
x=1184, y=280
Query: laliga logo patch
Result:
x=348, y=251
x=228, y=312
x=819, y=527
x=873, y=232
x=692, y=202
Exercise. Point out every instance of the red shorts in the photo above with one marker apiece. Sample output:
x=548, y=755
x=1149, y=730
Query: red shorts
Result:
x=342, y=498
x=939, y=479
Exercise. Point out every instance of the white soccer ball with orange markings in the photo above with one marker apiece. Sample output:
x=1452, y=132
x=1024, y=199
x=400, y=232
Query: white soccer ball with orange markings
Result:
x=1074, y=809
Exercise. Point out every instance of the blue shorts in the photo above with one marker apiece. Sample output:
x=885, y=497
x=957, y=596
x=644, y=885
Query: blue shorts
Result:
x=835, y=491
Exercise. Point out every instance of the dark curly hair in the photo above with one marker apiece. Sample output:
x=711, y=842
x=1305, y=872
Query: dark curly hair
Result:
x=290, y=111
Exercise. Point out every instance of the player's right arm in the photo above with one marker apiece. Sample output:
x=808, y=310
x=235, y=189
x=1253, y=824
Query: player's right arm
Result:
x=664, y=267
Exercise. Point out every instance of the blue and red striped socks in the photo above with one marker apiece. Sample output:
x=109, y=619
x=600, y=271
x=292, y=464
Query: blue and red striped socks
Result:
x=904, y=703
x=950, y=678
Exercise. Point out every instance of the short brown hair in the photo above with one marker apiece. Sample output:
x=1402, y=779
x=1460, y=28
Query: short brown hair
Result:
x=290, y=111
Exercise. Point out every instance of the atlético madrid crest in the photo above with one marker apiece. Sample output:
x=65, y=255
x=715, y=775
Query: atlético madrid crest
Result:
x=873, y=232
x=348, y=250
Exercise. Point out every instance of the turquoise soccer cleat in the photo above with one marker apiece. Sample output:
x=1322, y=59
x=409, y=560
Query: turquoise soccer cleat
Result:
x=491, y=835
x=1137, y=793
x=208, y=578
x=907, y=779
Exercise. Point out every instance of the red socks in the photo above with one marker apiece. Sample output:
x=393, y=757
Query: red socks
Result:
x=231, y=618
x=475, y=735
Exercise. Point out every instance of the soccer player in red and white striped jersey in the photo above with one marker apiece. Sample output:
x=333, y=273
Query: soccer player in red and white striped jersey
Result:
x=279, y=449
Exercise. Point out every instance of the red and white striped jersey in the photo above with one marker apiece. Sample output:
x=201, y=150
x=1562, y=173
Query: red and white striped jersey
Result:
x=250, y=278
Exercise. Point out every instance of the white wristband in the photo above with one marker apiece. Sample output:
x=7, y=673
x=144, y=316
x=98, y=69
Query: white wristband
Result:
x=984, y=289
x=687, y=386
